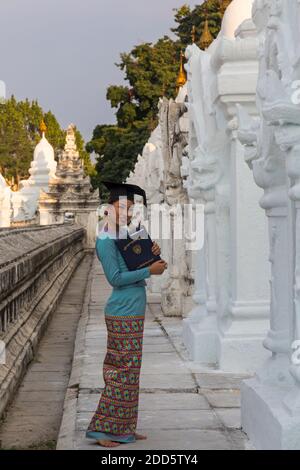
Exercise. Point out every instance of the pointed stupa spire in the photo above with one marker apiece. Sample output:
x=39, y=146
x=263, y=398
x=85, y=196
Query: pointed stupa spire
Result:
x=181, y=79
x=43, y=128
x=206, y=36
x=70, y=163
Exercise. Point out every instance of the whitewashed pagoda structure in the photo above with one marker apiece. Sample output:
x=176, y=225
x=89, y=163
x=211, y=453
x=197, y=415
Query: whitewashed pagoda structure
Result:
x=42, y=168
x=5, y=203
x=70, y=194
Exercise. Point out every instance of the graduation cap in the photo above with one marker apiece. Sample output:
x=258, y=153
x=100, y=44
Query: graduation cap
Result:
x=123, y=189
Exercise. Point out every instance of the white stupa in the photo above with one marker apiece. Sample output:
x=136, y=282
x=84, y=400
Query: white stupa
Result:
x=235, y=14
x=5, y=203
x=70, y=195
x=42, y=169
x=43, y=165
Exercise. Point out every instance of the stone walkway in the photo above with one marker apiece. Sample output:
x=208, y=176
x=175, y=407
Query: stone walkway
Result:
x=182, y=406
x=34, y=417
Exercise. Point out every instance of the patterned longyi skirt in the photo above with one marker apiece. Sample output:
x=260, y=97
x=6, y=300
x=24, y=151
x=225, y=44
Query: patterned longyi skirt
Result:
x=116, y=415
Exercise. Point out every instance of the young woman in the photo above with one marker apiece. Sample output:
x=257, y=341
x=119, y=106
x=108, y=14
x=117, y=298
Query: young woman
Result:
x=115, y=419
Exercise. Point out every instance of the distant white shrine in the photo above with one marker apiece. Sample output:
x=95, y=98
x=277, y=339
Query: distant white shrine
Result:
x=69, y=195
x=42, y=168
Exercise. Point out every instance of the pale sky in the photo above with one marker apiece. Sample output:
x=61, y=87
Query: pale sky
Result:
x=62, y=52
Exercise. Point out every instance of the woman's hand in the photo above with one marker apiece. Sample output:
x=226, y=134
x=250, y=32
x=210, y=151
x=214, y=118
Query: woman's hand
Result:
x=158, y=267
x=156, y=249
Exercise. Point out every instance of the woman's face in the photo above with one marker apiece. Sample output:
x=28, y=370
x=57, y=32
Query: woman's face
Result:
x=122, y=213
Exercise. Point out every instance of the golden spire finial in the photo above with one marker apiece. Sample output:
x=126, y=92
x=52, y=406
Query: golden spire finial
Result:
x=181, y=79
x=206, y=36
x=193, y=34
x=223, y=5
x=43, y=127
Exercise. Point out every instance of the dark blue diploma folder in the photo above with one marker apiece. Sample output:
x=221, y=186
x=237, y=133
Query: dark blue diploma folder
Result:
x=137, y=250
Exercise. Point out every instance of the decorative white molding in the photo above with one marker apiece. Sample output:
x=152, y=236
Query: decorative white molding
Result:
x=228, y=324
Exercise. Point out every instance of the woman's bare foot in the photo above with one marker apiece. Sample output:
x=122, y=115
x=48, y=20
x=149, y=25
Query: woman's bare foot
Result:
x=107, y=443
x=140, y=436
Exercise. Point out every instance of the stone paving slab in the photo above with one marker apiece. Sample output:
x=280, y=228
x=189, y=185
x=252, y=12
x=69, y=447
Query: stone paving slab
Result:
x=40, y=396
x=40, y=408
x=44, y=377
x=169, y=382
x=219, y=381
x=38, y=386
x=230, y=417
x=181, y=405
x=172, y=401
x=223, y=398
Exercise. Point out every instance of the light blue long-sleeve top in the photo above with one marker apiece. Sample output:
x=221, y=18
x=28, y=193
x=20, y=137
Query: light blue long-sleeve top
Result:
x=128, y=296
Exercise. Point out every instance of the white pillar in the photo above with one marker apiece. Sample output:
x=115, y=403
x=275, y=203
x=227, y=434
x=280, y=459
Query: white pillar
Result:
x=199, y=328
x=244, y=315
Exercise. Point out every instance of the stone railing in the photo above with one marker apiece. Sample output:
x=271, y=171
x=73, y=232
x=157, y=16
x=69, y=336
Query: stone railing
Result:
x=35, y=266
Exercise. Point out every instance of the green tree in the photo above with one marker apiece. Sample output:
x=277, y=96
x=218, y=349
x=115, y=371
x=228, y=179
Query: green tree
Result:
x=15, y=146
x=116, y=147
x=151, y=70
